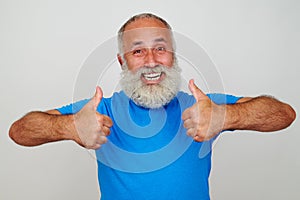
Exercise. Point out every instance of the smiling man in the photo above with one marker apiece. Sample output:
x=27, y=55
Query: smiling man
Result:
x=151, y=76
x=147, y=137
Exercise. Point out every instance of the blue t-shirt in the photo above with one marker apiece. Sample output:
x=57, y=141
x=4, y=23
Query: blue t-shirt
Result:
x=148, y=154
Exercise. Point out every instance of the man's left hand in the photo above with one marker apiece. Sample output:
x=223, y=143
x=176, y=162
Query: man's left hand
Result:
x=204, y=119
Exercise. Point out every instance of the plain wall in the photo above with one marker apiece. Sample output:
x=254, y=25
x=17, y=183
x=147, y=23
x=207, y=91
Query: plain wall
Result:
x=43, y=45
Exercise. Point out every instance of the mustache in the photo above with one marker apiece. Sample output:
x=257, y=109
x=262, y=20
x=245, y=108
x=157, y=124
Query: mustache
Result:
x=136, y=75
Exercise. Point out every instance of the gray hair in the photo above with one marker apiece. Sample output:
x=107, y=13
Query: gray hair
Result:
x=135, y=18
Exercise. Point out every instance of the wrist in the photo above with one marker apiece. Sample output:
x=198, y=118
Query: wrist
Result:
x=232, y=117
x=66, y=126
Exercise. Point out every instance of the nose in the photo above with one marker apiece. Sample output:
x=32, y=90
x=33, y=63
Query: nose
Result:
x=150, y=59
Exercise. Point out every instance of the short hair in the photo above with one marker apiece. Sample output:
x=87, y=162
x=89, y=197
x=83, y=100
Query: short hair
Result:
x=135, y=18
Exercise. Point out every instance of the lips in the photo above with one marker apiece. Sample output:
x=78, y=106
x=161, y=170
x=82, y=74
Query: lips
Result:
x=152, y=76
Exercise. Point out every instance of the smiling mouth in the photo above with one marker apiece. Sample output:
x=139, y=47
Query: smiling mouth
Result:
x=154, y=76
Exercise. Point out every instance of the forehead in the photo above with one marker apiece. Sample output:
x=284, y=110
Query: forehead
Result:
x=145, y=22
x=146, y=31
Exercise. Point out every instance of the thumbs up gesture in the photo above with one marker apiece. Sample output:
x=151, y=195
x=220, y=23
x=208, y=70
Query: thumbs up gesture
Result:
x=204, y=119
x=92, y=127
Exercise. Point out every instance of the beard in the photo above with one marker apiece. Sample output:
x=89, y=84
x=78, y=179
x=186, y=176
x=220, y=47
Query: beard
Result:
x=151, y=95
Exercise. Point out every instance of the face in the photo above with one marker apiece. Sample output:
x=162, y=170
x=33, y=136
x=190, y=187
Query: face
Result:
x=147, y=43
x=150, y=76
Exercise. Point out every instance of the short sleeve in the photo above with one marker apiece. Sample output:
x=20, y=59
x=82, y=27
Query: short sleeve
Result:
x=218, y=98
x=72, y=108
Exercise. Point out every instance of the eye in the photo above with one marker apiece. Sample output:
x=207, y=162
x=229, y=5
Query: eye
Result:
x=160, y=49
x=138, y=52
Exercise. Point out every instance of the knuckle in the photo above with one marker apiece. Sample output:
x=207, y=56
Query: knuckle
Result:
x=96, y=146
x=110, y=123
x=103, y=140
x=100, y=119
x=189, y=132
x=200, y=134
x=200, y=137
x=107, y=132
x=99, y=129
x=185, y=124
x=104, y=131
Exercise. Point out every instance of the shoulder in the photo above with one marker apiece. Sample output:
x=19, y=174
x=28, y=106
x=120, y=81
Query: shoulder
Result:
x=76, y=106
x=219, y=98
x=72, y=107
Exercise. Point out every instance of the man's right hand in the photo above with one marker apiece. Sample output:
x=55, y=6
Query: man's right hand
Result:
x=92, y=127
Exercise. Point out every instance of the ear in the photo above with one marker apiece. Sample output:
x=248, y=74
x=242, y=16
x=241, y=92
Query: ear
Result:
x=120, y=59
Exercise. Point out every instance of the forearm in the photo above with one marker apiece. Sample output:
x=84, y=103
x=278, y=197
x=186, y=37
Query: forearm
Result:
x=37, y=128
x=263, y=114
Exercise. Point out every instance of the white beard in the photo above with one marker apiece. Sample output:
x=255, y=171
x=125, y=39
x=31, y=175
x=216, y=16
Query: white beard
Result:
x=153, y=95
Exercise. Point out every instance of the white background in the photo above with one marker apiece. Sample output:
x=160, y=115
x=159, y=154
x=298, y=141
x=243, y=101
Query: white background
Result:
x=43, y=44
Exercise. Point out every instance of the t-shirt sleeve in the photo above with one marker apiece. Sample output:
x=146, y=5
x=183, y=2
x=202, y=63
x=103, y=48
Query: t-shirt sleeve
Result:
x=218, y=98
x=72, y=108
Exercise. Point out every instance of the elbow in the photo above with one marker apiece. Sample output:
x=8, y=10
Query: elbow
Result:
x=290, y=115
x=15, y=132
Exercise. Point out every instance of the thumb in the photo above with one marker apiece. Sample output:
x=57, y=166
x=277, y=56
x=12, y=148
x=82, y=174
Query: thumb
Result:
x=97, y=97
x=197, y=93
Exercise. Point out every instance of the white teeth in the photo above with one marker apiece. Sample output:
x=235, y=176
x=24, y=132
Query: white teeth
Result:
x=152, y=76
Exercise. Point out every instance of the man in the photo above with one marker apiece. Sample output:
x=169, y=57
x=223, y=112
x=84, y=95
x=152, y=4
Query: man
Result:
x=148, y=136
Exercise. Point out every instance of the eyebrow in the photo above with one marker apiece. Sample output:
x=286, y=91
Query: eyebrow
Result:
x=137, y=43
x=160, y=40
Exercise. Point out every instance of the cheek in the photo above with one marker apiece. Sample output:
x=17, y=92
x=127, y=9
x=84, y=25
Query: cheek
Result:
x=133, y=63
x=167, y=60
x=134, y=66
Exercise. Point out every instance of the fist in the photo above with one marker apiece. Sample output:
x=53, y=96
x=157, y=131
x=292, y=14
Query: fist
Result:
x=204, y=119
x=92, y=127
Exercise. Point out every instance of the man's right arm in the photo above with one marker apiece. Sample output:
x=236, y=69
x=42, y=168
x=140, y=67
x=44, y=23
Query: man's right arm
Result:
x=88, y=128
x=37, y=128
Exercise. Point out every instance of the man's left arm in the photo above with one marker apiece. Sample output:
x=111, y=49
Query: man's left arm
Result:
x=205, y=119
x=263, y=113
